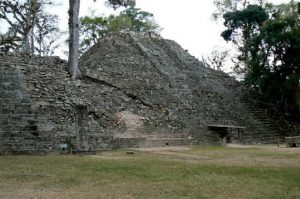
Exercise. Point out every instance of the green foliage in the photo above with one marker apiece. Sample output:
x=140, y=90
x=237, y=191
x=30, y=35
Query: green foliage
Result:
x=226, y=6
x=92, y=28
x=247, y=20
x=131, y=19
x=141, y=21
x=278, y=75
x=241, y=26
x=118, y=23
x=268, y=39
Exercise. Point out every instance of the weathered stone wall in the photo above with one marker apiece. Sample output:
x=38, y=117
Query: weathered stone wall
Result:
x=186, y=95
x=20, y=128
x=139, y=90
x=39, y=107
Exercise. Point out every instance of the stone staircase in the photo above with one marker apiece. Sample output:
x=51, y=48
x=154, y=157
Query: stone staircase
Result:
x=18, y=125
x=267, y=127
x=270, y=127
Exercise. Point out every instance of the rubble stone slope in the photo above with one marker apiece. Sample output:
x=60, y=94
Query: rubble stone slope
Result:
x=138, y=90
x=184, y=96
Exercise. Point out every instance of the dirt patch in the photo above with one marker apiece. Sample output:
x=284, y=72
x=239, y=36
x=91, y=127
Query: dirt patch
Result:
x=261, y=155
x=282, y=148
x=239, y=146
x=274, y=148
x=167, y=148
x=106, y=157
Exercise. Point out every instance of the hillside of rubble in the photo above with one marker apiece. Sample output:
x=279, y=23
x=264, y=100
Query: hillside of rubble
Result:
x=137, y=91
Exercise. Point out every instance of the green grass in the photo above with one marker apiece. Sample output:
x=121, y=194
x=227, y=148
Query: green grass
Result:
x=200, y=172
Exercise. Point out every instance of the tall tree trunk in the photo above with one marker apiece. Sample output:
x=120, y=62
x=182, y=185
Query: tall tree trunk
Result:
x=32, y=39
x=26, y=45
x=33, y=9
x=74, y=38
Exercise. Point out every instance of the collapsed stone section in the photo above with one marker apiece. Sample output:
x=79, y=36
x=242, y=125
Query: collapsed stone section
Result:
x=38, y=107
x=186, y=97
x=138, y=90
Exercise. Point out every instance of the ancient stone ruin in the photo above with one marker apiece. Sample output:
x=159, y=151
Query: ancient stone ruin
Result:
x=138, y=91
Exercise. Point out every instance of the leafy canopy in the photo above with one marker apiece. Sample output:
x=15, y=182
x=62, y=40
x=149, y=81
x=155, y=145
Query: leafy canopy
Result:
x=131, y=19
x=268, y=40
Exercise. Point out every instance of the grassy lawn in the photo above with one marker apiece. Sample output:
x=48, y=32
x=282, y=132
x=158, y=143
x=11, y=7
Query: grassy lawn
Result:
x=199, y=172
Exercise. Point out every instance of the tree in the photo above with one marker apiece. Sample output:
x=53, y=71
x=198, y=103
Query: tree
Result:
x=74, y=38
x=120, y=3
x=241, y=26
x=22, y=20
x=131, y=19
x=231, y=9
x=10, y=40
x=74, y=32
x=92, y=28
x=216, y=60
x=46, y=34
x=275, y=64
x=139, y=21
x=226, y=6
x=268, y=39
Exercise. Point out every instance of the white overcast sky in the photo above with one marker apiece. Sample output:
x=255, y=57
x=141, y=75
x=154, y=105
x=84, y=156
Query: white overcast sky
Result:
x=188, y=22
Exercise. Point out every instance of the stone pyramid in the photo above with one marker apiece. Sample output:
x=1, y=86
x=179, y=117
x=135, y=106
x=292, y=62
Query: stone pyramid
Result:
x=138, y=91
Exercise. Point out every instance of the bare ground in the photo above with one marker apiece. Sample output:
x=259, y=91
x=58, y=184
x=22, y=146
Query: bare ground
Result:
x=282, y=155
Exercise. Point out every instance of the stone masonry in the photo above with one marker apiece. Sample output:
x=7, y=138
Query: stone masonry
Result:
x=138, y=91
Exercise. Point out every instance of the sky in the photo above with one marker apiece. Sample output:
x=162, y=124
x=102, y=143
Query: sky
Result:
x=188, y=22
